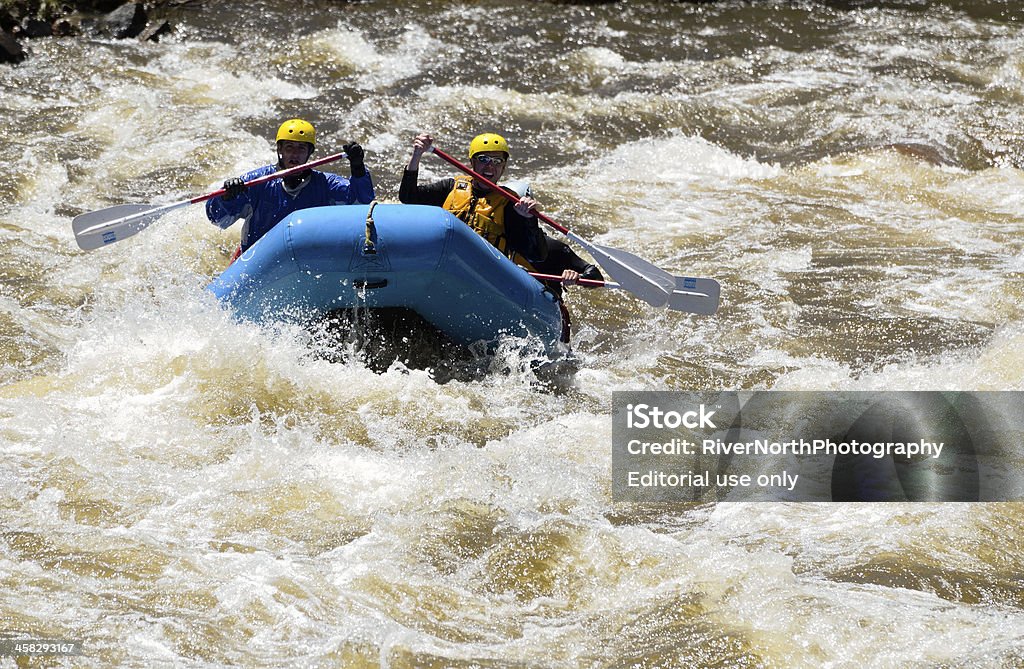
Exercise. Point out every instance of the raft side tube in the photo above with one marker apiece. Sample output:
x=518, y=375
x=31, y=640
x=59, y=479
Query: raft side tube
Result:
x=315, y=261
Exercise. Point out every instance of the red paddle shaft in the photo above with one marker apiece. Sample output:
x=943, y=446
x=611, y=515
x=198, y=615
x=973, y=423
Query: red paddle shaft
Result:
x=274, y=175
x=558, y=277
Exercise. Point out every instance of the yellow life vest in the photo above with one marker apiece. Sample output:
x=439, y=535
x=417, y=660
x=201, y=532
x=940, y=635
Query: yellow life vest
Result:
x=486, y=215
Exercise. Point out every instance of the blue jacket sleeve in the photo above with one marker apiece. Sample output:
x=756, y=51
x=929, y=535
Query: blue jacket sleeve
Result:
x=361, y=189
x=223, y=213
x=349, y=191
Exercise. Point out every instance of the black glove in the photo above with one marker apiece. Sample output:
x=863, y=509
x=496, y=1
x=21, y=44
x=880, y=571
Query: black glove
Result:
x=355, y=158
x=233, y=188
x=592, y=272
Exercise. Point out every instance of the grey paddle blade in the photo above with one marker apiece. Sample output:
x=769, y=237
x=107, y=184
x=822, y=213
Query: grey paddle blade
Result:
x=651, y=284
x=106, y=226
x=695, y=295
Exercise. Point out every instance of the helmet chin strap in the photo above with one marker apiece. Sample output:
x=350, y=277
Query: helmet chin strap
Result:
x=280, y=156
x=295, y=182
x=292, y=182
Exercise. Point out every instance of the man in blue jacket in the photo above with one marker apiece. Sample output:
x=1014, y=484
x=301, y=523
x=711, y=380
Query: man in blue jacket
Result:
x=263, y=205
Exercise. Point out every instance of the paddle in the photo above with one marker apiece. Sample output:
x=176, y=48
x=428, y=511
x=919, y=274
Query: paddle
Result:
x=691, y=295
x=106, y=226
x=651, y=284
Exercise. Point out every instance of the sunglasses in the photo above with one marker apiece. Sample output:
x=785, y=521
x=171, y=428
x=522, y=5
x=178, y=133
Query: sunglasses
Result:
x=489, y=160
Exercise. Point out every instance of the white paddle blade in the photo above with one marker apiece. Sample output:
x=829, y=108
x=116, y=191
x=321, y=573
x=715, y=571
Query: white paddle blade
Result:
x=695, y=295
x=651, y=284
x=106, y=226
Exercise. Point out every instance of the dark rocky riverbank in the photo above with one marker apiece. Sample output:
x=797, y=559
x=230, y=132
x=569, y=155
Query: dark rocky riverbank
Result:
x=21, y=20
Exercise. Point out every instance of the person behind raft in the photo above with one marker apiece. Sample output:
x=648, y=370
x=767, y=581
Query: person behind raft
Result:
x=510, y=227
x=562, y=261
x=263, y=205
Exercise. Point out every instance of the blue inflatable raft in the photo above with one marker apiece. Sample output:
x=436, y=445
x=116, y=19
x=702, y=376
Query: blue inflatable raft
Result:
x=420, y=258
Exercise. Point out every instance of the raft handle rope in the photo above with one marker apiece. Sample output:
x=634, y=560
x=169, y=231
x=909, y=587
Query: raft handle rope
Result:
x=369, y=248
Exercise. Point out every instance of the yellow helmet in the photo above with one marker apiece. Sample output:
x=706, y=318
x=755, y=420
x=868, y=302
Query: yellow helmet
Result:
x=297, y=130
x=487, y=142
